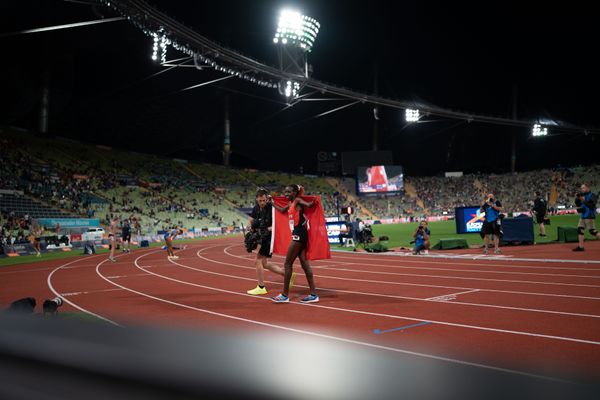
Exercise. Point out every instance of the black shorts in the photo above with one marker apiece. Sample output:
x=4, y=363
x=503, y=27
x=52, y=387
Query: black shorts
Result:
x=300, y=234
x=539, y=218
x=126, y=238
x=265, y=246
x=489, y=228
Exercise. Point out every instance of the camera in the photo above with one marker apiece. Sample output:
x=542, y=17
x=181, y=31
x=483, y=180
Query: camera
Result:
x=51, y=306
x=252, y=240
x=580, y=194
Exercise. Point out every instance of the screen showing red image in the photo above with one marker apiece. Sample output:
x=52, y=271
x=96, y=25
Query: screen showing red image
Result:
x=380, y=179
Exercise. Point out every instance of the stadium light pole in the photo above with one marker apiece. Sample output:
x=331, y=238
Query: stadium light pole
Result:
x=294, y=38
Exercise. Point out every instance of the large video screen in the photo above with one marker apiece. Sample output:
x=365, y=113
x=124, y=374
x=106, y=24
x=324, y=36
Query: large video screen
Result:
x=468, y=219
x=380, y=179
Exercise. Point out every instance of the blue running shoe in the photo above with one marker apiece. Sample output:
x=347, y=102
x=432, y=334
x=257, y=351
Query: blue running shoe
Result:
x=311, y=298
x=280, y=299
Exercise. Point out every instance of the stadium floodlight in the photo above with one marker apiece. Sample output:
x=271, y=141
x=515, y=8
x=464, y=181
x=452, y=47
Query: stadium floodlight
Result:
x=539, y=131
x=160, y=42
x=290, y=89
x=297, y=30
x=412, y=115
x=155, y=48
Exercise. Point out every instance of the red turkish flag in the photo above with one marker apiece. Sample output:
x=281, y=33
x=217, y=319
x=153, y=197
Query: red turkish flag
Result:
x=318, y=242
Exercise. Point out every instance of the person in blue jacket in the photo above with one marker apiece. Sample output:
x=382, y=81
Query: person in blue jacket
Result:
x=586, y=207
x=491, y=226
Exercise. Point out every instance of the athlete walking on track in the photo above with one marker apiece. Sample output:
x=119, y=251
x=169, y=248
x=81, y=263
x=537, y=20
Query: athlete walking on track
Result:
x=298, y=245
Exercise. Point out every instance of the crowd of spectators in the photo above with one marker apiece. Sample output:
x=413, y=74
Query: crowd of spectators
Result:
x=156, y=193
x=13, y=229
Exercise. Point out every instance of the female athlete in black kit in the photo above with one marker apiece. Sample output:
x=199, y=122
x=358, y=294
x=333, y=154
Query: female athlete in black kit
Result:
x=297, y=247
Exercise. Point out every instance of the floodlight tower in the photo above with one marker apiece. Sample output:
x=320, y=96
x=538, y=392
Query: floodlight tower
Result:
x=294, y=38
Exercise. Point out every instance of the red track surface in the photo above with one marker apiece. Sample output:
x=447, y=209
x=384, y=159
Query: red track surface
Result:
x=530, y=316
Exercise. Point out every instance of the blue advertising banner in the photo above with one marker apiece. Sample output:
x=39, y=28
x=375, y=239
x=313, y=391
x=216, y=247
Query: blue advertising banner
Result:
x=334, y=229
x=69, y=222
x=468, y=219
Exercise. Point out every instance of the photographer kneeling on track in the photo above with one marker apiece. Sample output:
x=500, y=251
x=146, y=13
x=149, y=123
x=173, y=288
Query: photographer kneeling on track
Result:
x=421, y=237
x=492, y=224
x=586, y=207
x=261, y=222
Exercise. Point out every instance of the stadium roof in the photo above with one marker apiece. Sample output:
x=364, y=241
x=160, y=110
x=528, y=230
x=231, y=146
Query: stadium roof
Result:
x=460, y=60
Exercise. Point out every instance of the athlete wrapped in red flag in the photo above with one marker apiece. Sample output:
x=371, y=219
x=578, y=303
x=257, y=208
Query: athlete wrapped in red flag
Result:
x=318, y=243
x=299, y=231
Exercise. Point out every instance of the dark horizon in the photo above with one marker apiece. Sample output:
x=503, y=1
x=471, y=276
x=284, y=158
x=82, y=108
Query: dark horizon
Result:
x=453, y=58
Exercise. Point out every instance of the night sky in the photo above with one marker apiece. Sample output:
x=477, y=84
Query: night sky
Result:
x=457, y=58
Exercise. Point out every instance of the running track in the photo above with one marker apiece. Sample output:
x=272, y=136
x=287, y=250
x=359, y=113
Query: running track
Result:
x=533, y=317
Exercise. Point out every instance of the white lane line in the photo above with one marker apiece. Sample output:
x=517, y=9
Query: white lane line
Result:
x=481, y=271
x=377, y=314
x=391, y=296
x=477, y=257
x=53, y=290
x=382, y=257
x=464, y=277
x=310, y=333
x=125, y=276
x=88, y=292
x=22, y=271
x=419, y=260
x=441, y=286
x=452, y=296
x=407, y=263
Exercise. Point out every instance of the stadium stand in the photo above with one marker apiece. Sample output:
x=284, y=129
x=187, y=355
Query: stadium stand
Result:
x=60, y=177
